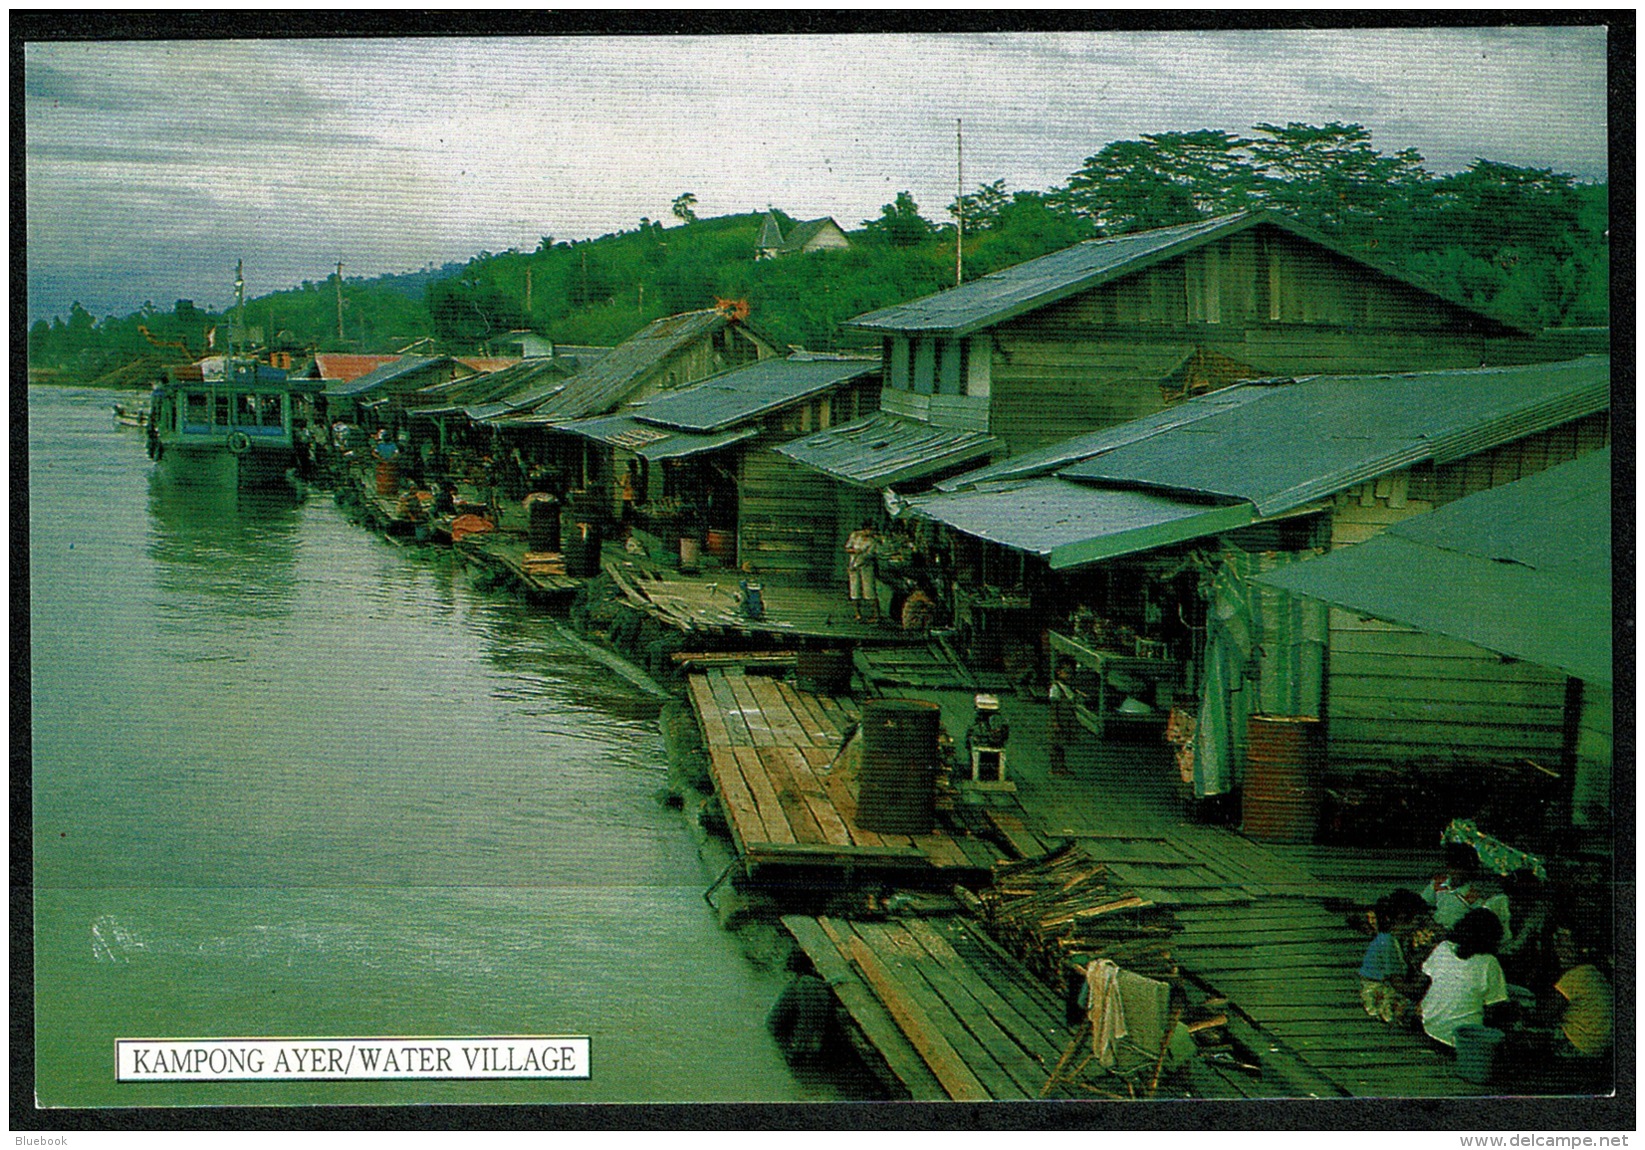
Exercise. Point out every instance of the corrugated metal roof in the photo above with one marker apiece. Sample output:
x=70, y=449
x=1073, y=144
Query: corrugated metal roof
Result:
x=386, y=376
x=745, y=393
x=1523, y=570
x=883, y=450
x=603, y=385
x=1071, y=524
x=1049, y=460
x=650, y=441
x=1001, y=295
x=494, y=389
x=344, y=368
x=1283, y=445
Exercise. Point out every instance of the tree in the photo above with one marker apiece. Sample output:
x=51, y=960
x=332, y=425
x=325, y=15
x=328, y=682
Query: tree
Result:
x=1333, y=179
x=982, y=207
x=900, y=224
x=685, y=207
x=1163, y=179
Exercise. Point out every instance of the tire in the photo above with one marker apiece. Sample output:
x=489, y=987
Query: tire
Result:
x=239, y=442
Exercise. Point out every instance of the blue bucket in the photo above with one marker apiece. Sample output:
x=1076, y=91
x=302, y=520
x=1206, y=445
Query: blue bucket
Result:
x=1476, y=1052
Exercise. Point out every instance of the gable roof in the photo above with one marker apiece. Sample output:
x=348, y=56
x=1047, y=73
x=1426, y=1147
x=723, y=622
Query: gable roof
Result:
x=992, y=299
x=332, y=365
x=397, y=376
x=651, y=442
x=493, y=388
x=1523, y=569
x=806, y=231
x=771, y=232
x=1281, y=444
x=608, y=381
x=745, y=393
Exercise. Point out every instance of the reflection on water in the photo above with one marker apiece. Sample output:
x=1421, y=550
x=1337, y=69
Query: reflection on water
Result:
x=292, y=780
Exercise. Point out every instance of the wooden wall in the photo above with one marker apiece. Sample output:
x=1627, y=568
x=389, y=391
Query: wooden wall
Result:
x=1591, y=796
x=1395, y=693
x=787, y=516
x=1261, y=298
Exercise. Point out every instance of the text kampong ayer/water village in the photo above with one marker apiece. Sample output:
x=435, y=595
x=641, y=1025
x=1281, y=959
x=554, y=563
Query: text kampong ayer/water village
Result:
x=1087, y=716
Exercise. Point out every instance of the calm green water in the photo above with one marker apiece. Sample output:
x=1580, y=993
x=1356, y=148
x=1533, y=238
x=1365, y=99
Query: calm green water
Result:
x=292, y=780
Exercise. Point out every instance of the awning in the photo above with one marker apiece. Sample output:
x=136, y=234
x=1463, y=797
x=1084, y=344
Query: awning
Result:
x=651, y=442
x=1072, y=524
x=883, y=450
x=1523, y=570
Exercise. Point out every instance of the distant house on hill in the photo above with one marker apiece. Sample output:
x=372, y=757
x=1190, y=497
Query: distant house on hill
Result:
x=809, y=236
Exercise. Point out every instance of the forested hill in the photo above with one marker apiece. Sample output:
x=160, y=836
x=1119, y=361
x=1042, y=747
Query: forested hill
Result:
x=1528, y=245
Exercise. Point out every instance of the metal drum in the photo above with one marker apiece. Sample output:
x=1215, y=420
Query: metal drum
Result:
x=580, y=544
x=896, y=788
x=1284, y=778
x=543, y=525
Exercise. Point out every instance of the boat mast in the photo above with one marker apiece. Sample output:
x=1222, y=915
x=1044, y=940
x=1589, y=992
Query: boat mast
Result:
x=240, y=305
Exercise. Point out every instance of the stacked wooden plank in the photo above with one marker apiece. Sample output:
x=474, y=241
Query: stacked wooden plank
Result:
x=948, y=1013
x=1065, y=909
x=709, y=604
x=772, y=751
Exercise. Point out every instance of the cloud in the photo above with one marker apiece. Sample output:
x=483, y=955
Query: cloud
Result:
x=395, y=152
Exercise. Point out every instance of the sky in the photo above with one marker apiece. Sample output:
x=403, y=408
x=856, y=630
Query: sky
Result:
x=151, y=167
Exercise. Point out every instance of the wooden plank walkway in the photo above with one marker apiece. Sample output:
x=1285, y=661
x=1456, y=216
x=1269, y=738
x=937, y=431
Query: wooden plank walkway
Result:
x=770, y=750
x=952, y=1015
x=707, y=604
x=1253, y=927
x=504, y=551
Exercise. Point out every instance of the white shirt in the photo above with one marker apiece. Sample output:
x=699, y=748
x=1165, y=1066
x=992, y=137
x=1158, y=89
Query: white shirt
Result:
x=1460, y=991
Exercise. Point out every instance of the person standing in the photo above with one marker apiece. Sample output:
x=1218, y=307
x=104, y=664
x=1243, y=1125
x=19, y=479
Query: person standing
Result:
x=860, y=548
x=1064, y=721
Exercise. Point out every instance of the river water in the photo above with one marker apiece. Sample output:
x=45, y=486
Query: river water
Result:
x=292, y=780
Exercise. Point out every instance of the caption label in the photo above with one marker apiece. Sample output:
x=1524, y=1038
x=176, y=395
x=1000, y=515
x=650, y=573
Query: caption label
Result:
x=225, y=1059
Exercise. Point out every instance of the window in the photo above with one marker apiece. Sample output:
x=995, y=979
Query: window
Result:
x=197, y=408
x=222, y=410
x=951, y=367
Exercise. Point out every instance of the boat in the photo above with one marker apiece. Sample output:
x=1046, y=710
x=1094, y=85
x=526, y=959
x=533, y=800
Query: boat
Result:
x=230, y=421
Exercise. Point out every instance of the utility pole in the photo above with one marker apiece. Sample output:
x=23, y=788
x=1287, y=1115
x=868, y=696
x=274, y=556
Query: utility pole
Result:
x=339, y=300
x=959, y=204
x=240, y=302
x=528, y=295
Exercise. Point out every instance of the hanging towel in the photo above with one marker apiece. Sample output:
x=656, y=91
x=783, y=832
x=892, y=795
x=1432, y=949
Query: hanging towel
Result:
x=1146, y=1005
x=1107, y=1012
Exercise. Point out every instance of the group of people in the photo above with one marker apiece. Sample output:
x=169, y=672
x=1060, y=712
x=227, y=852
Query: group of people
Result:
x=1470, y=949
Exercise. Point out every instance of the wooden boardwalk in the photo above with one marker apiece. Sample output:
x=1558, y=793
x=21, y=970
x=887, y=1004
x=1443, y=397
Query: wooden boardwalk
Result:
x=949, y=1014
x=506, y=552
x=1254, y=927
x=707, y=604
x=771, y=749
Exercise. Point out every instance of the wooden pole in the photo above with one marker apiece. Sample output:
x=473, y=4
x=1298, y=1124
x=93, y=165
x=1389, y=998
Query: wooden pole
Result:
x=339, y=299
x=959, y=205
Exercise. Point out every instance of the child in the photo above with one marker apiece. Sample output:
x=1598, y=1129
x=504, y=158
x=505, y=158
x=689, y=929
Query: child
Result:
x=1385, y=983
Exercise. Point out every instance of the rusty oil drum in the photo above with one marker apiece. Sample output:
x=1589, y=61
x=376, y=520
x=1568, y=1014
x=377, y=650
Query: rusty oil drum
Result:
x=896, y=787
x=1284, y=778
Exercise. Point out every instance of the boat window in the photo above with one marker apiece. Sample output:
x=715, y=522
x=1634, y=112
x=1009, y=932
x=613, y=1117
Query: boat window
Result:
x=198, y=409
x=271, y=411
x=222, y=411
x=245, y=410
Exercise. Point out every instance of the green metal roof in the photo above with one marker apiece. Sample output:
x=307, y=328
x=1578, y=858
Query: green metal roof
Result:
x=1280, y=445
x=1071, y=524
x=601, y=386
x=885, y=449
x=746, y=393
x=1523, y=570
x=1005, y=294
x=649, y=441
